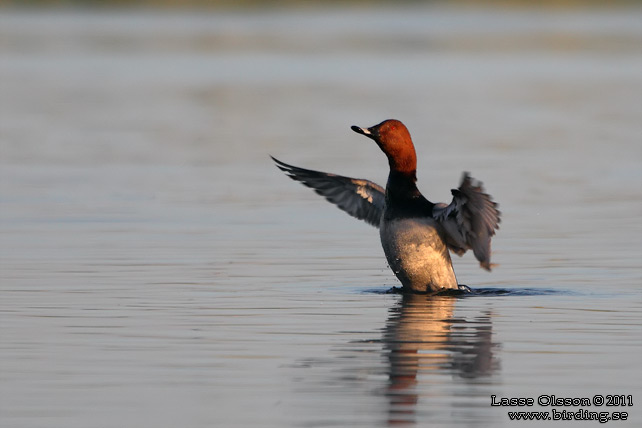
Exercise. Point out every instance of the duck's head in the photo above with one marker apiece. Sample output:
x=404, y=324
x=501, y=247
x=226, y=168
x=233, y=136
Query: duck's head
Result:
x=394, y=140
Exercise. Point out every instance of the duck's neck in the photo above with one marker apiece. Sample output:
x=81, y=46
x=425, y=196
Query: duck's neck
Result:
x=403, y=199
x=402, y=160
x=402, y=186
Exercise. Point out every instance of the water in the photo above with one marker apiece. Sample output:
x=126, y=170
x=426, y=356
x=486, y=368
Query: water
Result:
x=159, y=271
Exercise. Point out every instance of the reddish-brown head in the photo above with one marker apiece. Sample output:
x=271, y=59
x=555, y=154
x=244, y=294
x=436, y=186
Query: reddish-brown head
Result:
x=394, y=140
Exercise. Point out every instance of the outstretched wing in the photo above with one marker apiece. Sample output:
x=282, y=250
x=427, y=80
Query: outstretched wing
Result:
x=362, y=199
x=470, y=220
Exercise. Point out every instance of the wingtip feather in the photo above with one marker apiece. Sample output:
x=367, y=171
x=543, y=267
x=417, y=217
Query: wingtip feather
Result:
x=488, y=265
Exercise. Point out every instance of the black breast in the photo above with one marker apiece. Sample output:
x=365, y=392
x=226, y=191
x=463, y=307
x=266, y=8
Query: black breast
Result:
x=403, y=199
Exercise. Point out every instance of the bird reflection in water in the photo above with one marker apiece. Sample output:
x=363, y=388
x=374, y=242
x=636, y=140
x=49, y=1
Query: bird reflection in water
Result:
x=422, y=337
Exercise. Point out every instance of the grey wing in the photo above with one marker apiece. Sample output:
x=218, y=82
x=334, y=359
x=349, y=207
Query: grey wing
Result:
x=470, y=220
x=362, y=199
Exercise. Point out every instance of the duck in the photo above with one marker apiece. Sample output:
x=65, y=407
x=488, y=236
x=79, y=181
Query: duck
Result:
x=416, y=234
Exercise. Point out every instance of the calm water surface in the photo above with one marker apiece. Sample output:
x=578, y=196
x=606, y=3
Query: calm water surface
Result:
x=158, y=271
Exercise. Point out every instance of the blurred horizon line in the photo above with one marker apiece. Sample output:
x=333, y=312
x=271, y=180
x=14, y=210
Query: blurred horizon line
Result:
x=286, y=4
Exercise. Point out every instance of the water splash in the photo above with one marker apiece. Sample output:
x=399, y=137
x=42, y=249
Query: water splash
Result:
x=465, y=291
